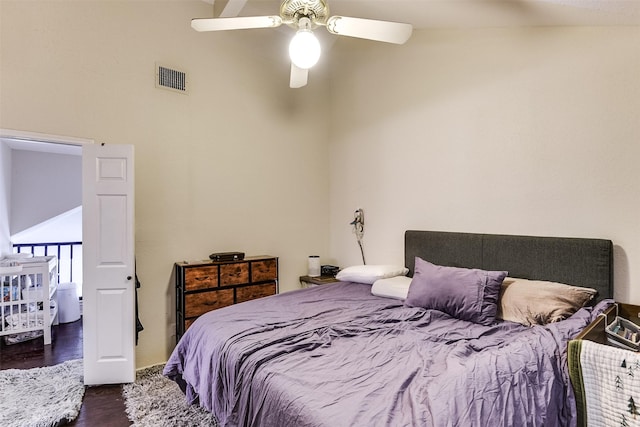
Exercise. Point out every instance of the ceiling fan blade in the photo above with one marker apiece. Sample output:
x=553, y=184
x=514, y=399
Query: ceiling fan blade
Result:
x=237, y=23
x=298, y=77
x=382, y=31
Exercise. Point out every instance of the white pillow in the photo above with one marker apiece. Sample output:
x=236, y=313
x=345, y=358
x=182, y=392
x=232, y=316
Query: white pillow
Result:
x=392, y=287
x=370, y=273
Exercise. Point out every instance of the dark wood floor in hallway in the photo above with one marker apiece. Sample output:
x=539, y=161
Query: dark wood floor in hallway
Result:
x=102, y=406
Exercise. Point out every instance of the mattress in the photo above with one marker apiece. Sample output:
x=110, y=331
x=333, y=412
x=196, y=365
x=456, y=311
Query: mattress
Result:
x=336, y=355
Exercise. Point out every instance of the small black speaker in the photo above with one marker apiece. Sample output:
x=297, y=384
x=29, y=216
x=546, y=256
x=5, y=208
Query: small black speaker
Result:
x=227, y=256
x=329, y=270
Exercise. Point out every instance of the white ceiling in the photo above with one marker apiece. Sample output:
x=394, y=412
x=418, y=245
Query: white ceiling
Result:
x=424, y=14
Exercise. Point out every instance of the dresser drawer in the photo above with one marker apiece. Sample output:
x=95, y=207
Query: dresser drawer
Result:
x=202, y=302
x=201, y=277
x=234, y=274
x=247, y=293
x=264, y=270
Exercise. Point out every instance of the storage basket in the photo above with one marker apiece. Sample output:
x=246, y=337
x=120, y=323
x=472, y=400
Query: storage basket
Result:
x=623, y=333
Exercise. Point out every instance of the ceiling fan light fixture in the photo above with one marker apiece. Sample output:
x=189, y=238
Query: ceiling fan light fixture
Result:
x=304, y=49
x=305, y=16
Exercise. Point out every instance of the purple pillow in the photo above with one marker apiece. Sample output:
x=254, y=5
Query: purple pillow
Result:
x=463, y=293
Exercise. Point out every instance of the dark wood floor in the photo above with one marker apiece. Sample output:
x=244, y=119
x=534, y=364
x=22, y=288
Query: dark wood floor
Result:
x=102, y=406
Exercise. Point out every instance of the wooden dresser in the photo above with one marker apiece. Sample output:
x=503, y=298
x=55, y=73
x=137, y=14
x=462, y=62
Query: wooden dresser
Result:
x=202, y=286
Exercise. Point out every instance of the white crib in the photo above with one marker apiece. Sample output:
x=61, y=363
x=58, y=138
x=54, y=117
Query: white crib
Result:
x=28, y=296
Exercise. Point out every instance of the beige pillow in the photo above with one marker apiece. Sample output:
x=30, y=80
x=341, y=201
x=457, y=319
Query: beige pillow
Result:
x=537, y=302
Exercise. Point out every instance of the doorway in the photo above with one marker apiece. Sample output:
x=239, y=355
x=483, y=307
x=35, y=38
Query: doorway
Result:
x=42, y=187
x=107, y=183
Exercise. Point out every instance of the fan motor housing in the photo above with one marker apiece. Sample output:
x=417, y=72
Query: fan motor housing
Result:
x=292, y=10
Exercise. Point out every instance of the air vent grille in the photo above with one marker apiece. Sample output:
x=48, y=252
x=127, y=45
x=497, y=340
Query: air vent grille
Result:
x=170, y=78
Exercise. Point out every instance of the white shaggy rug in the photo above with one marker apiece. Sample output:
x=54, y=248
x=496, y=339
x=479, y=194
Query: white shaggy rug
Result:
x=41, y=397
x=155, y=401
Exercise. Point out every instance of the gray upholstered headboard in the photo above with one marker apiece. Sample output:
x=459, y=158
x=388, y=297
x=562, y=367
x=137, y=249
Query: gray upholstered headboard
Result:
x=575, y=261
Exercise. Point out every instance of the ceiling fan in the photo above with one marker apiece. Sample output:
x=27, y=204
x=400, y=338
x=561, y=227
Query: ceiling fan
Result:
x=304, y=16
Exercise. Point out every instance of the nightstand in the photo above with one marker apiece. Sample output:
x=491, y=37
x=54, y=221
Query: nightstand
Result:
x=596, y=330
x=309, y=282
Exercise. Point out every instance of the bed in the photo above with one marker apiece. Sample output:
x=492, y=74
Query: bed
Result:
x=336, y=355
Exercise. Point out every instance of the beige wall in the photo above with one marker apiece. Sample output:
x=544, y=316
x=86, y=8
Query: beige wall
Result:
x=240, y=163
x=528, y=131
x=516, y=131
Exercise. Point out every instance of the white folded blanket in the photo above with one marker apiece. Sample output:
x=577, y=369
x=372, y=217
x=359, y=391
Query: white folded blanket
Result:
x=611, y=378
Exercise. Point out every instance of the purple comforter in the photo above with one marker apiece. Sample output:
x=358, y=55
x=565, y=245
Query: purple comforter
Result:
x=335, y=355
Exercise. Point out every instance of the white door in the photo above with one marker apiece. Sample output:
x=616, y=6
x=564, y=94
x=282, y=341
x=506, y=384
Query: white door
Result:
x=108, y=264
